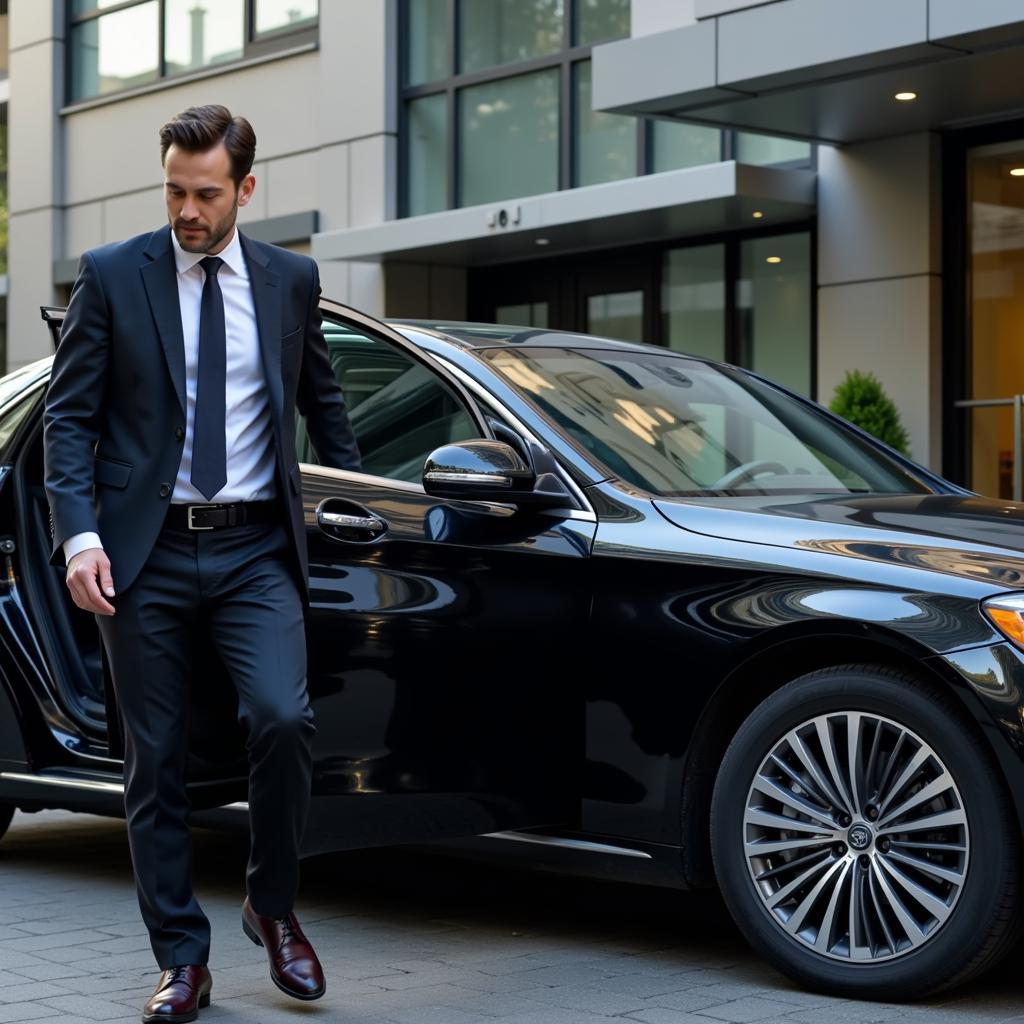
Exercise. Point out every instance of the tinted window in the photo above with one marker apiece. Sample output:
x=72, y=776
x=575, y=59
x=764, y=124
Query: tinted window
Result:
x=400, y=410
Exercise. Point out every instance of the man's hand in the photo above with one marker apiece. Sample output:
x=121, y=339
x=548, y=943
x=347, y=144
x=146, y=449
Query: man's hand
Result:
x=84, y=570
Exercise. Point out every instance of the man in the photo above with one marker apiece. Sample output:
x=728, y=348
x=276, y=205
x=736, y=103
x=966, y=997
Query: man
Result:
x=175, y=494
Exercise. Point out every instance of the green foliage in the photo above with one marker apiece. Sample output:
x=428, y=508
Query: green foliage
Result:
x=861, y=399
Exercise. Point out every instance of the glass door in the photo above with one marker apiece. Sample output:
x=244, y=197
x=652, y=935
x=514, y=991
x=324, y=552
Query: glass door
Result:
x=995, y=364
x=616, y=302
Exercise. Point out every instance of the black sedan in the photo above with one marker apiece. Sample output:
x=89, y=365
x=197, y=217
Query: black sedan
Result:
x=626, y=611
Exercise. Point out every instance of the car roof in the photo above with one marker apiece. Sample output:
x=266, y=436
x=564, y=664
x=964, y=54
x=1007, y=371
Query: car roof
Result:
x=470, y=335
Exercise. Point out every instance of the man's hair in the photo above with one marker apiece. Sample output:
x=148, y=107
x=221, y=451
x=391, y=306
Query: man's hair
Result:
x=199, y=129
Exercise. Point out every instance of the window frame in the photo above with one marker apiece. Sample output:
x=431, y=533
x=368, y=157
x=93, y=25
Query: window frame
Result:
x=565, y=60
x=342, y=316
x=253, y=47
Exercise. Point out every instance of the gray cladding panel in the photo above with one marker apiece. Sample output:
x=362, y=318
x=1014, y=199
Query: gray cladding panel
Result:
x=676, y=63
x=778, y=42
x=977, y=23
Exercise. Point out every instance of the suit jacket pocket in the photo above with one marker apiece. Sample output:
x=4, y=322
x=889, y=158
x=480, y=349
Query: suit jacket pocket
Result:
x=112, y=472
x=292, y=336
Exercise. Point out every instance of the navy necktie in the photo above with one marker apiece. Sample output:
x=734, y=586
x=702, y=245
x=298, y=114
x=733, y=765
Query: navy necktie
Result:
x=209, y=447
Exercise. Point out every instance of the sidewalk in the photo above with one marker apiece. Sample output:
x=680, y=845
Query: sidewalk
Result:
x=407, y=938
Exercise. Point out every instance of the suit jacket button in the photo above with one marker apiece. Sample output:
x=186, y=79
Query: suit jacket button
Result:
x=165, y=489
x=179, y=432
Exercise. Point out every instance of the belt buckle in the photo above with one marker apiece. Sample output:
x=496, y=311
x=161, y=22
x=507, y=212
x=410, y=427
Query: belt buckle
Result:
x=190, y=509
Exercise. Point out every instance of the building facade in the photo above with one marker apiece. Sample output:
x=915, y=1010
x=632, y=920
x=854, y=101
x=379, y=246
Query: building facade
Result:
x=803, y=187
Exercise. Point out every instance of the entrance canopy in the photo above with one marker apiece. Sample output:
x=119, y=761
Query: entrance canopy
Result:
x=825, y=70
x=654, y=207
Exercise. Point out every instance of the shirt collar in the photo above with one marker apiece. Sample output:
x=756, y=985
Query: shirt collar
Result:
x=231, y=254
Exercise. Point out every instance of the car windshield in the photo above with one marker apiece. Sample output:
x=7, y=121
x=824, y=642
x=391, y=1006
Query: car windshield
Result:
x=681, y=427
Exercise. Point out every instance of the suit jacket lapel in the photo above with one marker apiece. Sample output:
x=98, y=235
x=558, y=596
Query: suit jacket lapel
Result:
x=160, y=278
x=266, y=298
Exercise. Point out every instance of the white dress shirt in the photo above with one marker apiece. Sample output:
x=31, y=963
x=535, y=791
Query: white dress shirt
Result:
x=249, y=432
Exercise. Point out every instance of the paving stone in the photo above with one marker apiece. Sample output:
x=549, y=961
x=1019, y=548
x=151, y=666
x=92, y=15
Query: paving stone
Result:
x=30, y=990
x=10, y=1012
x=746, y=1010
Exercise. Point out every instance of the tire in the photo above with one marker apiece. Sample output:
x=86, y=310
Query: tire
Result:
x=790, y=889
x=6, y=813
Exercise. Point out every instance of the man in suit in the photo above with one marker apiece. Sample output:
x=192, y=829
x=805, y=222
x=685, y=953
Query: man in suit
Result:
x=175, y=495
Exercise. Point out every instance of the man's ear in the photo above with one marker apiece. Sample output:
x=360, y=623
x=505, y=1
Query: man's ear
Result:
x=246, y=187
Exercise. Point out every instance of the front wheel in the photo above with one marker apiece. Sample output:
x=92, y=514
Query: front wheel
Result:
x=6, y=814
x=862, y=837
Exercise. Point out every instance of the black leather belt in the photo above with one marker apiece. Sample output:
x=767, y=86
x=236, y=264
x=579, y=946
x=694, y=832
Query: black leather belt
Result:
x=217, y=516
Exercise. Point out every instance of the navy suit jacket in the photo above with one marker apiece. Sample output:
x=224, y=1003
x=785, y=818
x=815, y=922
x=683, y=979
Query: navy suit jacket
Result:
x=114, y=419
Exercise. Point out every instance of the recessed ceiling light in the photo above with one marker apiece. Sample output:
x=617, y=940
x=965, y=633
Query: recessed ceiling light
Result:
x=758, y=215
x=773, y=259
x=1017, y=172
x=906, y=97
x=543, y=241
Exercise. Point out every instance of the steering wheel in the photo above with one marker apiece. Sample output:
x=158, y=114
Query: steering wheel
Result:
x=747, y=471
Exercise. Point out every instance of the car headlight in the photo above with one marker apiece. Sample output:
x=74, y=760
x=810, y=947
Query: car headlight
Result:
x=1006, y=613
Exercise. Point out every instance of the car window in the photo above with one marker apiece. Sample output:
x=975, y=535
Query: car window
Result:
x=399, y=409
x=13, y=416
x=678, y=426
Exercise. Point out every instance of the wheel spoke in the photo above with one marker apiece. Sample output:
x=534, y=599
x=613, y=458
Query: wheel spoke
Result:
x=923, y=795
x=771, y=788
x=905, y=776
x=796, y=744
x=829, y=750
x=821, y=943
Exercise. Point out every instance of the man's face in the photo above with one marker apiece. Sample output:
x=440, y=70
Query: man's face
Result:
x=202, y=200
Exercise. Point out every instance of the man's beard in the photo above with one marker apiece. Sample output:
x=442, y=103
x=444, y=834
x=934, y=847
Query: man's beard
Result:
x=213, y=237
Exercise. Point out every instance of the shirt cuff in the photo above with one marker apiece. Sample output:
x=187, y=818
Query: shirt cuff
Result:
x=79, y=542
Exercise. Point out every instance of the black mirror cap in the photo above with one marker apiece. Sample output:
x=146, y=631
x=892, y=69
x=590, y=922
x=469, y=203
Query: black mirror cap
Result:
x=489, y=471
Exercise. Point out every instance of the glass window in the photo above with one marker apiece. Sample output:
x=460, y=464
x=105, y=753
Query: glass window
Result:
x=495, y=32
x=598, y=20
x=116, y=44
x=765, y=149
x=605, y=143
x=427, y=56
x=87, y=6
x=116, y=51
x=678, y=426
x=676, y=145
x=198, y=34
x=509, y=138
x=522, y=314
x=773, y=308
x=616, y=315
x=3, y=190
x=693, y=300
x=284, y=15
x=400, y=411
x=427, y=139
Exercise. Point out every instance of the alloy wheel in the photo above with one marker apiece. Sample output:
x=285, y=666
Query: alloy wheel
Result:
x=856, y=838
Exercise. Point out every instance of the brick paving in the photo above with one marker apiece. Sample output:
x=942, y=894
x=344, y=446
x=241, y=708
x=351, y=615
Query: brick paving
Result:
x=408, y=937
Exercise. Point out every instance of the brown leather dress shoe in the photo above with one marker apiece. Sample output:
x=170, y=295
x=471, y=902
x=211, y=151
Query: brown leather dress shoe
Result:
x=179, y=995
x=294, y=968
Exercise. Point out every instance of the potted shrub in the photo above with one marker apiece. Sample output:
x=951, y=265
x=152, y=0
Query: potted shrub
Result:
x=861, y=399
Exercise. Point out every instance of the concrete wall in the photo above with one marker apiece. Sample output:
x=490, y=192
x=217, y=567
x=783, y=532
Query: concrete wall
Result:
x=879, y=277
x=325, y=121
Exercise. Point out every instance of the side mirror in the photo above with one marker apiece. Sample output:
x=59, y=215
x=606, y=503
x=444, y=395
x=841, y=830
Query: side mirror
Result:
x=490, y=471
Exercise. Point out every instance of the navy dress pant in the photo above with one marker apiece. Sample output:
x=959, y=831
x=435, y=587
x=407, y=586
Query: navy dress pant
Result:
x=236, y=583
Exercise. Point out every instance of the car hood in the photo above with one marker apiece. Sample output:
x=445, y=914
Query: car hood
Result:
x=970, y=536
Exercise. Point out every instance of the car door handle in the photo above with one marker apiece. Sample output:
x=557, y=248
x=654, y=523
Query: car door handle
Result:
x=332, y=521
